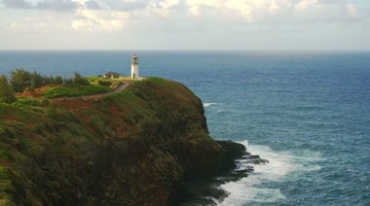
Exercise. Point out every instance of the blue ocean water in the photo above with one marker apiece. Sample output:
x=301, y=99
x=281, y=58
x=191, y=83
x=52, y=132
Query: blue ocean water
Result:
x=308, y=113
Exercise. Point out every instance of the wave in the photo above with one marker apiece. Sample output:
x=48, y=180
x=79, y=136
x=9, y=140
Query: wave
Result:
x=208, y=104
x=251, y=189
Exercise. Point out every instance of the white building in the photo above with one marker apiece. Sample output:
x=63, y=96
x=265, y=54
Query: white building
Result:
x=111, y=75
x=135, y=67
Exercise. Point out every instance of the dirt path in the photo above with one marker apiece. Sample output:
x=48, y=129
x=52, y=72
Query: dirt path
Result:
x=95, y=97
x=99, y=96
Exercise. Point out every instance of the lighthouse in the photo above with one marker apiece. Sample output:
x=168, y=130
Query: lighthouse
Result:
x=134, y=67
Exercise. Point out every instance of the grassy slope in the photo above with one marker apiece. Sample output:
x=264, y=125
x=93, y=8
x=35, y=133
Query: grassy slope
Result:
x=132, y=148
x=74, y=91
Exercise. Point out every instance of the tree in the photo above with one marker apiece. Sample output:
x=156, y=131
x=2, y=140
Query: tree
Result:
x=78, y=79
x=48, y=80
x=6, y=92
x=20, y=80
x=58, y=80
x=36, y=80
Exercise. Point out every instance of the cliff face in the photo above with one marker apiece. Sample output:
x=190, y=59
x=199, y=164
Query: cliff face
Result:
x=136, y=147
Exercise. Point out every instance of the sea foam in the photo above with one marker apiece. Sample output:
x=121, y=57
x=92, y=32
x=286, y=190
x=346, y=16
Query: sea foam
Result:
x=208, y=104
x=250, y=189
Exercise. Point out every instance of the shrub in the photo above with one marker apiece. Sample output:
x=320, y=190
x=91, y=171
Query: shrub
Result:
x=5, y=131
x=104, y=83
x=27, y=102
x=20, y=80
x=79, y=80
x=6, y=92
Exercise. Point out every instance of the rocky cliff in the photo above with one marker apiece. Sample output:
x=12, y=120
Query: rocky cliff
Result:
x=137, y=147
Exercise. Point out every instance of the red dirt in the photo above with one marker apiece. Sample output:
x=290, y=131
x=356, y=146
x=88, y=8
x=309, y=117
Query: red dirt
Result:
x=33, y=93
x=11, y=117
x=71, y=104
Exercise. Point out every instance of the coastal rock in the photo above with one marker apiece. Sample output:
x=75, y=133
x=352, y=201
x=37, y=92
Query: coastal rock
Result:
x=207, y=191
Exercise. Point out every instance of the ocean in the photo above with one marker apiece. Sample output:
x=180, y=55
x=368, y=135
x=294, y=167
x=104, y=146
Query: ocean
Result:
x=307, y=112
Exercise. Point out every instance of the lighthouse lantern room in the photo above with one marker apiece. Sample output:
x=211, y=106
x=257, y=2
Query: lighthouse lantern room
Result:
x=134, y=67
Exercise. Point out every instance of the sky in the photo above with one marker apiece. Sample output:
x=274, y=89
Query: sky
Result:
x=184, y=25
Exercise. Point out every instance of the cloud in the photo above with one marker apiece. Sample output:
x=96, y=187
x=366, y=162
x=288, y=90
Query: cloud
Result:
x=274, y=12
x=326, y=12
x=66, y=5
x=56, y=5
x=352, y=10
x=305, y=4
x=191, y=15
x=17, y=4
x=222, y=11
x=92, y=5
x=248, y=9
x=91, y=20
x=116, y=5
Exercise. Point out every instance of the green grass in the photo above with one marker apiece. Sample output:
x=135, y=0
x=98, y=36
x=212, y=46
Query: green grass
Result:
x=92, y=79
x=160, y=81
x=27, y=102
x=21, y=113
x=74, y=91
x=97, y=85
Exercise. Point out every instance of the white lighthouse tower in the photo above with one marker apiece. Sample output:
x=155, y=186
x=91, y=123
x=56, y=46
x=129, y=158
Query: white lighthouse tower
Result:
x=134, y=67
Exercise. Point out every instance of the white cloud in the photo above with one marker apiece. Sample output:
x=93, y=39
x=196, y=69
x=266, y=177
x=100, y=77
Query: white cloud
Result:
x=352, y=10
x=91, y=20
x=253, y=11
x=57, y=5
x=193, y=22
x=305, y=4
x=221, y=11
x=162, y=7
x=42, y=24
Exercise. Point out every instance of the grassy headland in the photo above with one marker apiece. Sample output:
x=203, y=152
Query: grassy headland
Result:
x=135, y=147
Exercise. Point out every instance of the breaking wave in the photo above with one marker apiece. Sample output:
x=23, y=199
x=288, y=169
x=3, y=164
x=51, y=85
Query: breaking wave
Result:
x=208, y=104
x=252, y=188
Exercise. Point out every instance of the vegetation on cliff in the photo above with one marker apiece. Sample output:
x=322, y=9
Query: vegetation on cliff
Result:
x=28, y=84
x=135, y=147
x=6, y=92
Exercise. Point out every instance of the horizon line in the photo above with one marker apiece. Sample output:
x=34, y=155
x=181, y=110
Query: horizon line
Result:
x=185, y=50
